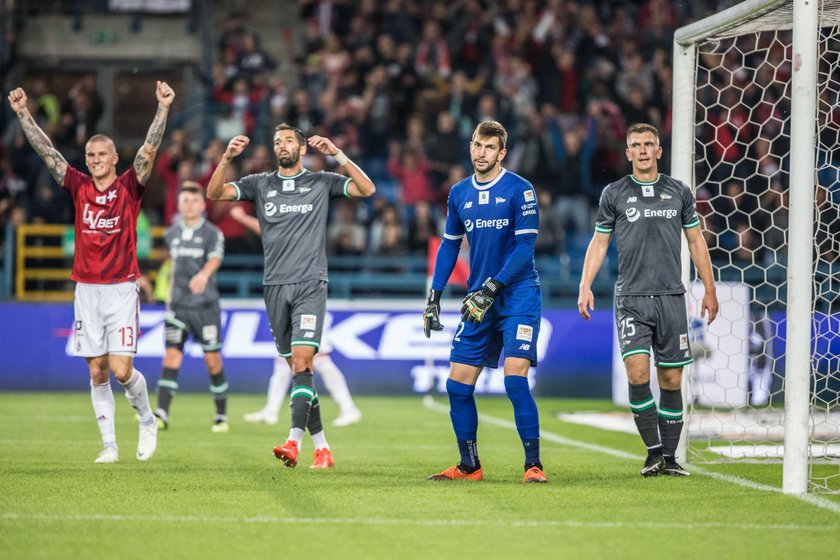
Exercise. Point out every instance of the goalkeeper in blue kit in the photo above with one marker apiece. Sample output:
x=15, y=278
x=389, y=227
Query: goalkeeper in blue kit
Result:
x=497, y=212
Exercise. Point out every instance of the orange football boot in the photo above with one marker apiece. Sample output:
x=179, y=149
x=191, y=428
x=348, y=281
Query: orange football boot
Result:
x=322, y=459
x=534, y=474
x=454, y=473
x=288, y=453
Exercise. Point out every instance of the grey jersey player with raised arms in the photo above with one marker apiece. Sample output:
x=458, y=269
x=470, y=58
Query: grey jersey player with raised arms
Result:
x=292, y=206
x=196, y=249
x=293, y=216
x=647, y=213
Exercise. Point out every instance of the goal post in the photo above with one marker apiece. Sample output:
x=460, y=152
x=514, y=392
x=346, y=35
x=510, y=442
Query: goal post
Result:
x=745, y=136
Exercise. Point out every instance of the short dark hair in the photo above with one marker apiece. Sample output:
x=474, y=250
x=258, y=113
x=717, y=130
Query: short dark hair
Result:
x=190, y=187
x=492, y=128
x=298, y=132
x=639, y=128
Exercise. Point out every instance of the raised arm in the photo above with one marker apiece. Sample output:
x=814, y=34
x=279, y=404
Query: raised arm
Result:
x=217, y=189
x=38, y=139
x=360, y=185
x=146, y=154
x=595, y=254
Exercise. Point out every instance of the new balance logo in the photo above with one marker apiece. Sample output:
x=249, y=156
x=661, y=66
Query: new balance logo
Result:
x=525, y=347
x=468, y=204
x=632, y=199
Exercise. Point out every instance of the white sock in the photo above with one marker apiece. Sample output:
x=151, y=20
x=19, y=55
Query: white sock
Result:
x=278, y=386
x=296, y=434
x=320, y=440
x=334, y=382
x=104, y=408
x=138, y=395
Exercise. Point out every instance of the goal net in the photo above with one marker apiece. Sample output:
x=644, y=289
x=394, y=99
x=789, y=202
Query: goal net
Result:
x=735, y=73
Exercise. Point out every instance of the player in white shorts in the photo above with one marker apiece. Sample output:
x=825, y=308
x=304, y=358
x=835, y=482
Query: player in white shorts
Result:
x=281, y=378
x=107, y=304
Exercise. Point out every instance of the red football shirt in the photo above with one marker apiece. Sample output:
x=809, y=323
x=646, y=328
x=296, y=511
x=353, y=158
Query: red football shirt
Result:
x=106, y=228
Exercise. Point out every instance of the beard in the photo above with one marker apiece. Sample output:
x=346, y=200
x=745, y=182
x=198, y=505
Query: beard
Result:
x=288, y=161
x=485, y=167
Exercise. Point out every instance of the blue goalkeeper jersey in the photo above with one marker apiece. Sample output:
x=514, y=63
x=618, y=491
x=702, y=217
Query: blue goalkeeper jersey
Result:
x=500, y=220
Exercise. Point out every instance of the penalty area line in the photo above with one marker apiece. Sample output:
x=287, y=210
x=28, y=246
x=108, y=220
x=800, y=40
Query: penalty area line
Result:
x=811, y=499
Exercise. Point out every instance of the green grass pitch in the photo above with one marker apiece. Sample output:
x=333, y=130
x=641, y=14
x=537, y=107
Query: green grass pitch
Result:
x=208, y=496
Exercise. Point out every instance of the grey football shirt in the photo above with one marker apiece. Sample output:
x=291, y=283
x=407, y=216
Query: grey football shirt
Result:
x=190, y=248
x=647, y=221
x=293, y=221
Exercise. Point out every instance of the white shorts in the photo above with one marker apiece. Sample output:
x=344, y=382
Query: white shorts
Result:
x=107, y=319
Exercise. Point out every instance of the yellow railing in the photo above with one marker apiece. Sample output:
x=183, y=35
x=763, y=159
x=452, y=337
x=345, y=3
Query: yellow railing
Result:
x=44, y=258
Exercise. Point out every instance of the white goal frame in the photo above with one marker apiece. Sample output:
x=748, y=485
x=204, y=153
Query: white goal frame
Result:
x=801, y=191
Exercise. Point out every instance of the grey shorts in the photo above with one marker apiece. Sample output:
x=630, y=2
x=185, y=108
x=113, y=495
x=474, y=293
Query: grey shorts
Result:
x=660, y=322
x=203, y=323
x=296, y=314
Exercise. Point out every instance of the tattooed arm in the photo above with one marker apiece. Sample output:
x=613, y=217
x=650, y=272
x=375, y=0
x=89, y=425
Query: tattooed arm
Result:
x=38, y=139
x=146, y=155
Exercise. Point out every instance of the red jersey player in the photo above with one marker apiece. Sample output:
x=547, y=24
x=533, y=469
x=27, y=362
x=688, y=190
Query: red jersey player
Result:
x=105, y=265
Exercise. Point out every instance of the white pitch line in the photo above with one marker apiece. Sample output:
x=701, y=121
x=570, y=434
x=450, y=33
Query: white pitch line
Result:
x=273, y=520
x=812, y=499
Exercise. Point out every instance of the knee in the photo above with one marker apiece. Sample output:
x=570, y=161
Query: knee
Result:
x=172, y=358
x=213, y=361
x=98, y=374
x=123, y=371
x=638, y=376
x=301, y=364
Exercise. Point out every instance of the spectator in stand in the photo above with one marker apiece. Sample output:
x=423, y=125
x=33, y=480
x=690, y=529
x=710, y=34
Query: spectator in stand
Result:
x=168, y=170
x=253, y=60
x=241, y=103
x=432, y=60
x=260, y=161
x=345, y=236
x=551, y=239
x=233, y=36
x=572, y=191
x=411, y=168
x=388, y=218
x=392, y=244
x=303, y=113
x=25, y=162
x=446, y=147
x=421, y=228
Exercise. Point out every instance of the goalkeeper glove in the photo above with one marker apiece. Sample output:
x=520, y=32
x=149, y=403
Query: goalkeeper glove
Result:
x=476, y=304
x=431, y=317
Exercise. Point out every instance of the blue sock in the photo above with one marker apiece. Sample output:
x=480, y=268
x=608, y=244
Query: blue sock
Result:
x=526, y=416
x=464, y=417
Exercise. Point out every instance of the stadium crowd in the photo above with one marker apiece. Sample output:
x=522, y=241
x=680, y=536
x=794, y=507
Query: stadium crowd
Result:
x=399, y=86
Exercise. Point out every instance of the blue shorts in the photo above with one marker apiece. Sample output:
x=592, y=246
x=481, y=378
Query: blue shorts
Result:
x=512, y=323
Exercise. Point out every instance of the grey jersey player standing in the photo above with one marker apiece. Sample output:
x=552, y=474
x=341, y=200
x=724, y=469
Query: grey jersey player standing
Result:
x=292, y=206
x=647, y=212
x=196, y=249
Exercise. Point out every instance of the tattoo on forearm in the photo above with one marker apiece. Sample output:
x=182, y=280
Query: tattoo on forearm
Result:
x=155, y=134
x=145, y=157
x=56, y=164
